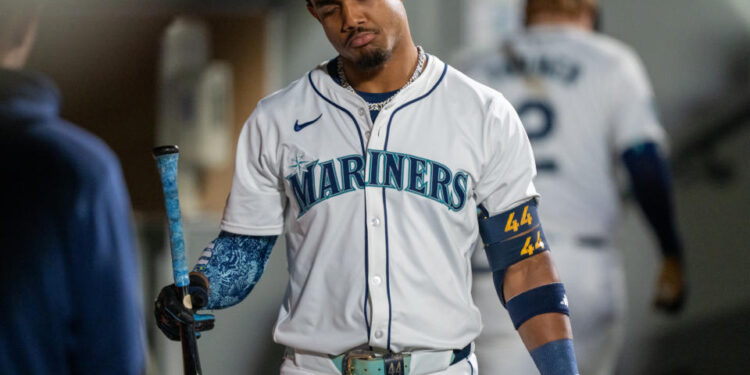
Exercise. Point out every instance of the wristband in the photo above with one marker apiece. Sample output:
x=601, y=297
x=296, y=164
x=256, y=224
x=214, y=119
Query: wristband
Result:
x=556, y=358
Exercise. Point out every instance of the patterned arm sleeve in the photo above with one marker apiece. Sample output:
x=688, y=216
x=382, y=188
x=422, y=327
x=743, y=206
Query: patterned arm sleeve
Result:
x=233, y=264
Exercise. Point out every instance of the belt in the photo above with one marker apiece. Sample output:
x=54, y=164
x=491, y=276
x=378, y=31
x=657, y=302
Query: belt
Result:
x=366, y=362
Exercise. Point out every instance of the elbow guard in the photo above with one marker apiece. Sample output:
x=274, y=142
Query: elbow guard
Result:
x=511, y=237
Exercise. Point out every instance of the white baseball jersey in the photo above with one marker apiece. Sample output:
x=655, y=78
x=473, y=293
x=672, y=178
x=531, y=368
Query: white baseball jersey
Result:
x=380, y=218
x=584, y=98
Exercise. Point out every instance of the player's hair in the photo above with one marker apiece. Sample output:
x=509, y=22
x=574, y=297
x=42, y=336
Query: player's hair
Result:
x=560, y=6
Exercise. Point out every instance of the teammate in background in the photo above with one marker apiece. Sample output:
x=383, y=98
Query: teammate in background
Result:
x=374, y=164
x=71, y=302
x=587, y=105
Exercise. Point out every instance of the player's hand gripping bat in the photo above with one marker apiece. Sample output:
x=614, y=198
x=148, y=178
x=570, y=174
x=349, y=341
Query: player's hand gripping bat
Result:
x=166, y=160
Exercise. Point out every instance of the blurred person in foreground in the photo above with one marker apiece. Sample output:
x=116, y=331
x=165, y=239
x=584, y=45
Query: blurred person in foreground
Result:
x=587, y=106
x=378, y=257
x=71, y=302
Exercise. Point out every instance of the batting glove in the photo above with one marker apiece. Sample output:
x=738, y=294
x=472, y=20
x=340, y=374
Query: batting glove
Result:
x=170, y=313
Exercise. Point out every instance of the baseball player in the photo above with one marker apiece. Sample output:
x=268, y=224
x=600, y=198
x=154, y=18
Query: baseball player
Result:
x=69, y=261
x=374, y=165
x=586, y=103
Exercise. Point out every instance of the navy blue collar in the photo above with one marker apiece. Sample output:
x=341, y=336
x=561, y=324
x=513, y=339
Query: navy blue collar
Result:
x=376, y=97
x=369, y=97
x=27, y=95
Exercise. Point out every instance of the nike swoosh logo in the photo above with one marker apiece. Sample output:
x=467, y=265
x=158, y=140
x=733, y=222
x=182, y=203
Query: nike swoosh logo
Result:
x=298, y=126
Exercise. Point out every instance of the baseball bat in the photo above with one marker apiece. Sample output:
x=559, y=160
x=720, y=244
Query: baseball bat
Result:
x=166, y=161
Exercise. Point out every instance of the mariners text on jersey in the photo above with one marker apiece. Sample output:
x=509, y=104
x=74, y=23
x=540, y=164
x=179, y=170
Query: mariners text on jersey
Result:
x=313, y=182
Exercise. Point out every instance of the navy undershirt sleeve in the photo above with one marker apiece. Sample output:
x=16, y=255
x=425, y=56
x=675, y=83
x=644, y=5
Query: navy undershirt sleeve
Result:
x=652, y=187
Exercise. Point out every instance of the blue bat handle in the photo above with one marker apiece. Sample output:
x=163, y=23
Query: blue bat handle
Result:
x=166, y=160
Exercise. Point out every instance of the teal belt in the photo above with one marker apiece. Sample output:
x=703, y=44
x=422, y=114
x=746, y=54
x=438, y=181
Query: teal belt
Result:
x=365, y=362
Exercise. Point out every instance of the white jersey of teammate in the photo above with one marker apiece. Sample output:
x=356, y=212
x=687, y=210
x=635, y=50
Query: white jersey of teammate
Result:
x=584, y=98
x=380, y=218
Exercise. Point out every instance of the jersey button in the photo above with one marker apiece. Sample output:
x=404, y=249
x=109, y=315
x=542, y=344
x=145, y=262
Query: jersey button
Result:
x=376, y=280
x=378, y=334
x=375, y=222
x=361, y=111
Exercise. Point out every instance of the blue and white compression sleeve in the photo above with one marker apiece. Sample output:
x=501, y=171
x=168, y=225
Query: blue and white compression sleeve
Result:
x=233, y=264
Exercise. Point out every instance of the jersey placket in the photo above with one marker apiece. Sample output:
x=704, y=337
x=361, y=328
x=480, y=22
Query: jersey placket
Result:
x=377, y=241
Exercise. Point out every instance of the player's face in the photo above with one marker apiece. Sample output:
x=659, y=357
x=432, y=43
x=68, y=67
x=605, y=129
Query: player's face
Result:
x=362, y=31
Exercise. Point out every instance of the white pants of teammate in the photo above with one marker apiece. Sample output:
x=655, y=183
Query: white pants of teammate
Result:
x=595, y=287
x=317, y=365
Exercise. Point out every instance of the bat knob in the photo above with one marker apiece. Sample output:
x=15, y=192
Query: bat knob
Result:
x=165, y=150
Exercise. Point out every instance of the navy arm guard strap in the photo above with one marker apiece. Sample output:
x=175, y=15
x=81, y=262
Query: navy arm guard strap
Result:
x=545, y=299
x=511, y=237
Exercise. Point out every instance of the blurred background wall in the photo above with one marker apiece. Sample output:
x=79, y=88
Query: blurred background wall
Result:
x=698, y=56
x=104, y=55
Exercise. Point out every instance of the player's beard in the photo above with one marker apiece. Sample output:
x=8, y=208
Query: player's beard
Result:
x=373, y=60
